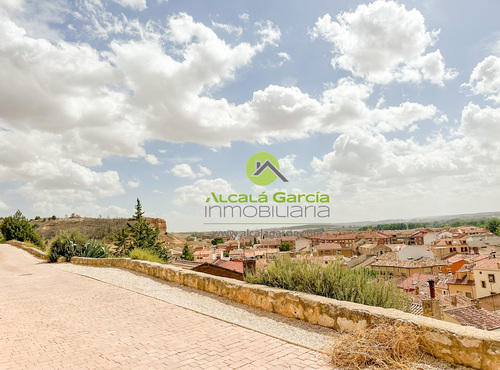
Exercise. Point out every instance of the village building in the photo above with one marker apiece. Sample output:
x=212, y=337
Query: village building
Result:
x=331, y=249
x=462, y=283
x=373, y=249
x=389, y=266
x=417, y=282
x=487, y=277
x=446, y=246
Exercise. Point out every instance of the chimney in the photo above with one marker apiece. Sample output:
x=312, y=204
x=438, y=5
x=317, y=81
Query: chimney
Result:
x=453, y=300
x=432, y=291
x=257, y=165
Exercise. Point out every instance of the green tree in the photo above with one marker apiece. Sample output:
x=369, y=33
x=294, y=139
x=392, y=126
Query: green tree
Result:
x=284, y=247
x=138, y=211
x=143, y=236
x=17, y=227
x=493, y=224
x=122, y=241
x=217, y=241
x=187, y=254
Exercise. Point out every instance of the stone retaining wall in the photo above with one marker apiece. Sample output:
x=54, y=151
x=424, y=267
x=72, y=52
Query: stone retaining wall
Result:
x=34, y=251
x=454, y=343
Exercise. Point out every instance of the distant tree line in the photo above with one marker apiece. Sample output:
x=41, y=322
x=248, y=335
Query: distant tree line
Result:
x=492, y=224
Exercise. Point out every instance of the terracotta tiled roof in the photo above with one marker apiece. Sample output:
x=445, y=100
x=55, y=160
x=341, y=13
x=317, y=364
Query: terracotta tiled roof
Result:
x=443, y=281
x=451, y=301
x=466, y=268
x=187, y=264
x=491, y=264
x=232, y=265
x=390, y=260
x=340, y=236
x=202, y=253
x=456, y=258
x=328, y=246
x=396, y=247
x=274, y=241
x=482, y=257
x=368, y=246
x=475, y=317
x=417, y=281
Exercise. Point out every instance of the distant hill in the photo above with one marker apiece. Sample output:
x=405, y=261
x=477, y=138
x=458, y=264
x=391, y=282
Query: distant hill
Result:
x=354, y=226
x=97, y=228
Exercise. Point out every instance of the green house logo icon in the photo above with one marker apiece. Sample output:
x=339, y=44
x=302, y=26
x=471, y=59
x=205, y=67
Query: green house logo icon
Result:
x=263, y=169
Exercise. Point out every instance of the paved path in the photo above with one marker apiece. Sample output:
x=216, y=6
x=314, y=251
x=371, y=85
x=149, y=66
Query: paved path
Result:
x=52, y=318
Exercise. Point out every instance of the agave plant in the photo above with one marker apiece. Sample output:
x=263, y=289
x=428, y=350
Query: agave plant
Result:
x=95, y=249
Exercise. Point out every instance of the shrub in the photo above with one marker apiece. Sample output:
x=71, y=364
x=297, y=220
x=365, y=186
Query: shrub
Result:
x=284, y=247
x=145, y=255
x=187, y=254
x=332, y=281
x=216, y=241
x=76, y=244
x=62, y=247
x=17, y=227
x=95, y=249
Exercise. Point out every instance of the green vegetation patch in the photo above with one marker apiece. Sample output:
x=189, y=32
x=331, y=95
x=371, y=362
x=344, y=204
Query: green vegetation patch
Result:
x=358, y=285
x=145, y=255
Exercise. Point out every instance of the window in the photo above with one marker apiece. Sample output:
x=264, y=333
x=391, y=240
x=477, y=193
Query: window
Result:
x=468, y=294
x=491, y=278
x=483, y=284
x=427, y=270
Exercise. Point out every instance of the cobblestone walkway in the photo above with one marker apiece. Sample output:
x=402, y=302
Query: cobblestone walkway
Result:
x=51, y=318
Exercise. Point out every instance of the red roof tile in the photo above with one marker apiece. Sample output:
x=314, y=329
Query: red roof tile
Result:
x=475, y=317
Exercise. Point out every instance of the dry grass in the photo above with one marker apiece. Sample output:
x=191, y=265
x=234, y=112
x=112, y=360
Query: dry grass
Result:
x=382, y=346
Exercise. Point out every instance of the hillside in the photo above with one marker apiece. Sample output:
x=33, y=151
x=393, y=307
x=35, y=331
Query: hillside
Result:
x=98, y=228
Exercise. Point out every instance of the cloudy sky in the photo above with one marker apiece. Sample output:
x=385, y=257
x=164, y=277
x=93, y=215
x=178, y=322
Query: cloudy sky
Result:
x=392, y=108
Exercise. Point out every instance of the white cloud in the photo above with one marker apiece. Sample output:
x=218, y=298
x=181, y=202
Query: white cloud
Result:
x=285, y=57
x=383, y=162
x=244, y=17
x=67, y=201
x=87, y=105
x=133, y=184
x=482, y=125
x=238, y=31
x=185, y=170
x=151, y=159
x=132, y=4
x=485, y=78
x=383, y=42
x=287, y=166
x=195, y=195
x=3, y=206
x=270, y=33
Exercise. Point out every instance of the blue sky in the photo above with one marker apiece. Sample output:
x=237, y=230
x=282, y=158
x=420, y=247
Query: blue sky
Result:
x=390, y=107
